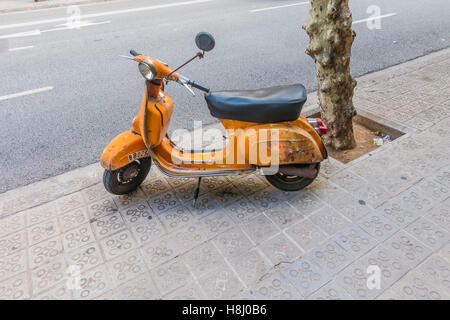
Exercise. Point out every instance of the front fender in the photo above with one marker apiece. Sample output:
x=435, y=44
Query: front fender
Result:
x=122, y=150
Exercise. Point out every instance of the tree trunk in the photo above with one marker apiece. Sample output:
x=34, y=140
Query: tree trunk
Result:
x=329, y=27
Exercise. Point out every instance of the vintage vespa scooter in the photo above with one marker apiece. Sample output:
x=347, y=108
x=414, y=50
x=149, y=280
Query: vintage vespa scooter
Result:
x=265, y=119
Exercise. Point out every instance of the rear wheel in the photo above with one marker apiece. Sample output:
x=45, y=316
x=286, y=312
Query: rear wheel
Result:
x=126, y=179
x=290, y=183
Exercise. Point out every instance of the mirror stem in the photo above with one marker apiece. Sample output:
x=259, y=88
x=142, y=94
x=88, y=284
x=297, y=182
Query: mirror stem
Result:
x=199, y=55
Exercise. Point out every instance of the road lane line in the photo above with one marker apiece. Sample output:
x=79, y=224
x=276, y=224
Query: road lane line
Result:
x=375, y=18
x=21, y=48
x=279, y=7
x=25, y=93
x=103, y=14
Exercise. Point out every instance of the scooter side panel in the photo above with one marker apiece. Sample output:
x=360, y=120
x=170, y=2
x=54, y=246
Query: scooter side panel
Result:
x=122, y=150
x=159, y=112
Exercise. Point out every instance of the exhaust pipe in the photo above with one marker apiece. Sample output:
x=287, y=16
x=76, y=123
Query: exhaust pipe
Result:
x=305, y=171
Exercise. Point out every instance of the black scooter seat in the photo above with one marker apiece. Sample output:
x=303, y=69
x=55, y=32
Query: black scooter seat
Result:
x=268, y=105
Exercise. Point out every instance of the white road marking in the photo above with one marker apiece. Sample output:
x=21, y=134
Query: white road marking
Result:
x=38, y=32
x=25, y=93
x=103, y=14
x=375, y=18
x=21, y=48
x=279, y=7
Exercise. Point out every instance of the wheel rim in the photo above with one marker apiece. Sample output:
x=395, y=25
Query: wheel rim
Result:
x=289, y=179
x=128, y=173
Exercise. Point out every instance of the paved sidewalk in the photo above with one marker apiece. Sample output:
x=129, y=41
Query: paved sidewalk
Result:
x=386, y=210
x=25, y=5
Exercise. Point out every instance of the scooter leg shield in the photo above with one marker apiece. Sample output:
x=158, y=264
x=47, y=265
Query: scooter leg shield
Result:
x=122, y=150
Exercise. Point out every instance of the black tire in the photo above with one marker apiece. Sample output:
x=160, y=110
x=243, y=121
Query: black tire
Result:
x=125, y=180
x=290, y=183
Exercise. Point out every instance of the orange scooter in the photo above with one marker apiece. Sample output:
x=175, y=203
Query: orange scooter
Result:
x=264, y=131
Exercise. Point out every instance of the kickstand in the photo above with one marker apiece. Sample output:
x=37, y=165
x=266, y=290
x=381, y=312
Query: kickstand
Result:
x=196, y=192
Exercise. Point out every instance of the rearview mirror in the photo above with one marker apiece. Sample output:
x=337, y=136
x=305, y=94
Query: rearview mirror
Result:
x=205, y=41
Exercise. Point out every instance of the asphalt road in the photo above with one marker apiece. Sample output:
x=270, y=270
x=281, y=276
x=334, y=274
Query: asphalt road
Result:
x=85, y=94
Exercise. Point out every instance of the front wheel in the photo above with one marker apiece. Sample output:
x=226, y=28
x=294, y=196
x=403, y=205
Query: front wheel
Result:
x=126, y=179
x=290, y=183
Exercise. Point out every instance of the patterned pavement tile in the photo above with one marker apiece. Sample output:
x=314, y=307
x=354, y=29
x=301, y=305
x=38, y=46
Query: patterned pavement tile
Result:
x=15, y=288
x=331, y=291
x=12, y=224
x=414, y=286
x=191, y=291
x=93, y=283
x=350, y=207
x=205, y=205
x=131, y=199
x=306, y=234
x=188, y=237
x=160, y=250
x=440, y=215
x=77, y=237
x=58, y=292
x=276, y=287
x=171, y=275
x=13, y=243
x=102, y=208
x=355, y=240
x=226, y=195
x=284, y=215
x=117, y=244
x=305, y=276
x=44, y=251
x=348, y=180
x=266, y=198
x=249, y=184
x=222, y=284
x=70, y=202
x=330, y=257
x=176, y=218
x=251, y=266
x=155, y=186
x=355, y=279
x=437, y=271
x=280, y=249
x=145, y=232
x=242, y=210
x=140, y=288
x=306, y=202
x=13, y=264
x=137, y=214
x=48, y=275
x=260, y=228
x=203, y=259
x=40, y=213
x=232, y=242
x=395, y=211
x=108, y=225
x=329, y=220
x=429, y=233
x=42, y=231
x=73, y=219
x=434, y=190
x=378, y=227
x=443, y=176
x=127, y=267
x=213, y=183
x=164, y=201
x=85, y=257
x=186, y=191
x=216, y=223
x=94, y=193
x=406, y=247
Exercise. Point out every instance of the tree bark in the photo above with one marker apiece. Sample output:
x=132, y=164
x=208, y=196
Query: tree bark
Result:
x=329, y=27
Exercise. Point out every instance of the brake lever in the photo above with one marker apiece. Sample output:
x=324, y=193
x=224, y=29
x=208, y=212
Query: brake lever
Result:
x=189, y=89
x=126, y=57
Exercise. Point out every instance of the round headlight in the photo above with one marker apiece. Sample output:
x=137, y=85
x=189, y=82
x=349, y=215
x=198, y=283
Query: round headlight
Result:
x=147, y=70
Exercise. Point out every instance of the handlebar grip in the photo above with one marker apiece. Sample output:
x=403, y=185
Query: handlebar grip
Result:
x=197, y=86
x=134, y=53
